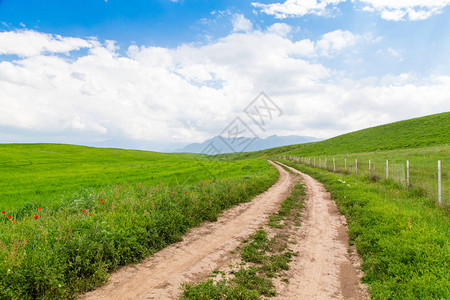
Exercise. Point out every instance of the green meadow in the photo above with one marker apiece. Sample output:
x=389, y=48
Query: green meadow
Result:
x=69, y=215
x=41, y=173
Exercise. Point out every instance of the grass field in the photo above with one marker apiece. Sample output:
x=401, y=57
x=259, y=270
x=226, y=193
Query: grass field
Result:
x=40, y=173
x=70, y=214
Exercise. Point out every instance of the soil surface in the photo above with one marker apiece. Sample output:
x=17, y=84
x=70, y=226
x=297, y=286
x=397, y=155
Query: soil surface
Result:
x=326, y=267
x=203, y=250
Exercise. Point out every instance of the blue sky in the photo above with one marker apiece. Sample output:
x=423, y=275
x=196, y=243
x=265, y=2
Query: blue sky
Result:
x=159, y=74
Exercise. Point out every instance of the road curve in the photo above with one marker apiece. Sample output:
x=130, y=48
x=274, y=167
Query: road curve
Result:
x=203, y=249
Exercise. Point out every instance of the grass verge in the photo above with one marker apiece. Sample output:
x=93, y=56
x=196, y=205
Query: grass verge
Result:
x=402, y=238
x=263, y=258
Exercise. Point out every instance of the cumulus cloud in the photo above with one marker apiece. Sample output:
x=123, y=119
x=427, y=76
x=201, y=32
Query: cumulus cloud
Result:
x=412, y=10
x=191, y=92
x=297, y=8
x=240, y=23
x=28, y=43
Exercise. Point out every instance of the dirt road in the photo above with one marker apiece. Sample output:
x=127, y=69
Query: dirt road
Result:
x=202, y=250
x=324, y=268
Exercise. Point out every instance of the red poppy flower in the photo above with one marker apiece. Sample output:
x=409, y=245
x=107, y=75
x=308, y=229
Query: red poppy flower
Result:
x=185, y=192
x=210, y=183
x=39, y=208
x=3, y=211
x=14, y=221
x=204, y=178
x=36, y=217
x=9, y=217
x=101, y=200
x=114, y=195
x=84, y=211
x=209, y=177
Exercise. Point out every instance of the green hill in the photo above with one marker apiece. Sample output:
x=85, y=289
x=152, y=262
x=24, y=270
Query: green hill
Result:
x=420, y=132
x=414, y=133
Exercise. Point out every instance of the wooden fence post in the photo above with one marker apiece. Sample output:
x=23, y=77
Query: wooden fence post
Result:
x=387, y=168
x=439, y=183
x=407, y=174
x=356, y=166
x=334, y=166
x=369, y=167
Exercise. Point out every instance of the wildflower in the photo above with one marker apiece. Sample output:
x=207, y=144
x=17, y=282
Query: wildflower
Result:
x=9, y=217
x=209, y=177
x=210, y=183
x=36, y=217
x=13, y=221
x=101, y=200
x=84, y=211
x=114, y=195
x=3, y=211
x=185, y=192
x=39, y=208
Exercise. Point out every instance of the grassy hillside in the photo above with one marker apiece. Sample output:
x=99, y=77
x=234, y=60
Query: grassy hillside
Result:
x=420, y=132
x=40, y=173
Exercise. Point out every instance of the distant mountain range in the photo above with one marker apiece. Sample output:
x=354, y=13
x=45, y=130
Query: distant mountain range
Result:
x=217, y=143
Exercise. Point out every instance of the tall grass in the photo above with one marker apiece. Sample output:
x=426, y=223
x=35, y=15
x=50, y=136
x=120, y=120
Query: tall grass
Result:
x=402, y=237
x=70, y=246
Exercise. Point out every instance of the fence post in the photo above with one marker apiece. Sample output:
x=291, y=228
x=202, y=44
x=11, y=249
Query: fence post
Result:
x=387, y=168
x=345, y=165
x=334, y=166
x=407, y=174
x=326, y=167
x=439, y=183
x=356, y=166
x=369, y=167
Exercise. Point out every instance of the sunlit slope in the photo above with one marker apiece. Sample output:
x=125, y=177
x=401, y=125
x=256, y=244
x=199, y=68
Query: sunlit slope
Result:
x=428, y=131
x=41, y=172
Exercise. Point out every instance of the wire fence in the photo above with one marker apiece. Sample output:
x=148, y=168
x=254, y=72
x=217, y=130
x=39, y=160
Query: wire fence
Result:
x=426, y=177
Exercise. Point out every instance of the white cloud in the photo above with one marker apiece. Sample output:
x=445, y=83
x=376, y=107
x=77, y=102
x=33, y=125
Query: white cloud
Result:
x=412, y=10
x=191, y=92
x=335, y=41
x=28, y=43
x=297, y=8
x=240, y=23
x=395, y=10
